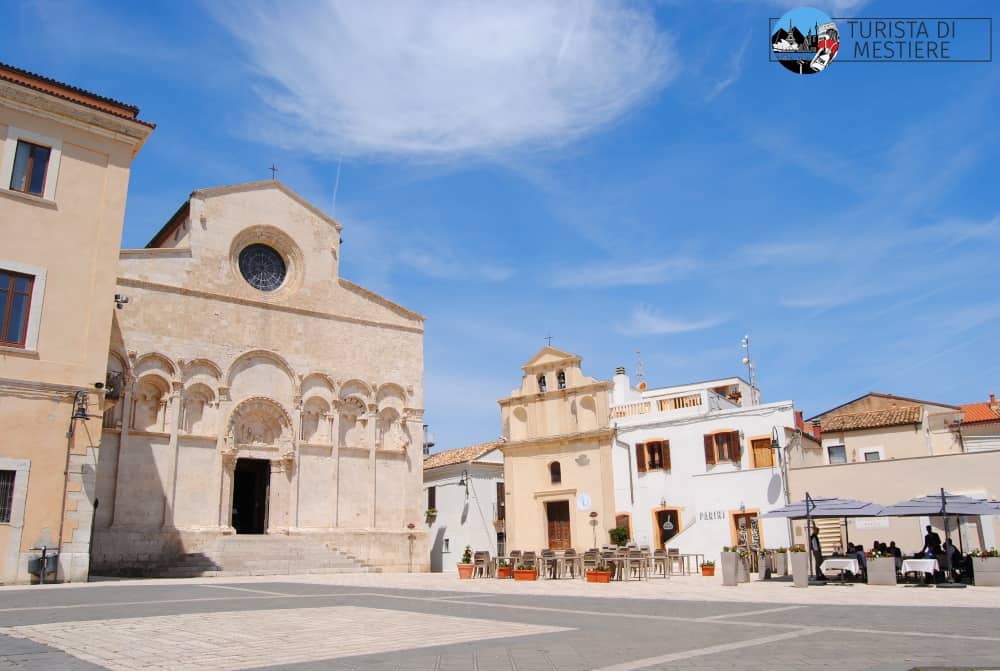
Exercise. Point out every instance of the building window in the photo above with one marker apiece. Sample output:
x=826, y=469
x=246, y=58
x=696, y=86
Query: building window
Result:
x=15, y=305
x=763, y=455
x=872, y=455
x=555, y=472
x=262, y=267
x=652, y=455
x=723, y=446
x=837, y=454
x=6, y=495
x=31, y=163
x=446, y=545
x=432, y=498
x=561, y=379
x=541, y=384
x=501, y=502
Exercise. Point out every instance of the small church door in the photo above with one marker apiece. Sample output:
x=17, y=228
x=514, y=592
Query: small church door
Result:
x=557, y=514
x=252, y=480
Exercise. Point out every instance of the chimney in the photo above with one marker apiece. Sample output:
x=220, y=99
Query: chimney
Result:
x=817, y=430
x=800, y=423
x=619, y=393
x=993, y=399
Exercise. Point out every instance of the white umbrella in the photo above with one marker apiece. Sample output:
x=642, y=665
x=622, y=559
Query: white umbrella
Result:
x=943, y=504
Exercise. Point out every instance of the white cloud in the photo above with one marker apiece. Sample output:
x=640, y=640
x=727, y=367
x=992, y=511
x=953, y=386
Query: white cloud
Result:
x=443, y=265
x=624, y=273
x=646, y=321
x=440, y=79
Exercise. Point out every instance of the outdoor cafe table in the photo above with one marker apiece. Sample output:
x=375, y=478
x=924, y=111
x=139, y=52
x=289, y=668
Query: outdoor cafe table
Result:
x=842, y=564
x=690, y=569
x=920, y=566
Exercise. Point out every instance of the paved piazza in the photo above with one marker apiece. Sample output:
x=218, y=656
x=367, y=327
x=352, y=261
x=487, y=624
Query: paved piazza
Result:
x=437, y=622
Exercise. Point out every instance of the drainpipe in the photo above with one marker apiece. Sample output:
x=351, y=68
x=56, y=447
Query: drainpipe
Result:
x=628, y=452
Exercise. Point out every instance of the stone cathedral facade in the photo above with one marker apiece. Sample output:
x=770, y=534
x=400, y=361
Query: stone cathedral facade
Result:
x=262, y=394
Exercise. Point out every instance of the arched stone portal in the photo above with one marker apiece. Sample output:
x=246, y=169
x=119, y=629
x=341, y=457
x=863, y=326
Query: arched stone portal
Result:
x=258, y=460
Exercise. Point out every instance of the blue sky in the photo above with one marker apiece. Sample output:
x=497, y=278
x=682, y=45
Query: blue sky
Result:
x=623, y=176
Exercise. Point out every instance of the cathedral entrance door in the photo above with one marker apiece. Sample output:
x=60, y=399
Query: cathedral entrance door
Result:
x=250, y=489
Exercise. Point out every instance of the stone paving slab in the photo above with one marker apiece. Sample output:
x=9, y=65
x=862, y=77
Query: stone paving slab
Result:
x=580, y=626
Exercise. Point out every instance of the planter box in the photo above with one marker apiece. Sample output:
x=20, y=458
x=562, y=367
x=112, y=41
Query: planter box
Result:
x=729, y=561
x=779, y=564
x=599, y=576
x=742, y=570
x=505, y=571
x=707, y=571
x=465, y=571
x=525, y=574
x=882, y=571
x=986, y=571
x=800, y=568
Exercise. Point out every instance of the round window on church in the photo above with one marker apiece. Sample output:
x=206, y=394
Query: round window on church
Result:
x=262, y=267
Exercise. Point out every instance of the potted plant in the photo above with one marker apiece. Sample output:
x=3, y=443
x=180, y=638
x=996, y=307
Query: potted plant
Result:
x=708, y=568
x=881, y=568
x=465, y=567
x=431, y=515
x=800, y=565
x=986, y=567
x=523, y=572
x=600, y=573
x=619, y=536
x=504, y=569
x=729, y=560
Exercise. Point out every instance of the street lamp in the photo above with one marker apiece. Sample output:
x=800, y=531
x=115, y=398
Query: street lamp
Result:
x=751, y=369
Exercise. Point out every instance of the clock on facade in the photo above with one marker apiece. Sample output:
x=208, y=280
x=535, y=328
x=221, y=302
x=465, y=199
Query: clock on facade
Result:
x=262, y=267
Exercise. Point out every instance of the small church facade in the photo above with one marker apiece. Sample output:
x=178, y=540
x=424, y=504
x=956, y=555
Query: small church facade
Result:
x=262, y=394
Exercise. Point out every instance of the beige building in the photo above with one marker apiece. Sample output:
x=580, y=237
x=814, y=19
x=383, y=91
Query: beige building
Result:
x=64, y=173
x=557, y=456
x=264, y=396
x=884, y=449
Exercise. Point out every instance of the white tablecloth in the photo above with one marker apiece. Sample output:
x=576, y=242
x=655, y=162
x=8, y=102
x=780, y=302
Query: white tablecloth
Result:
x=920, y=565
x=841, y=564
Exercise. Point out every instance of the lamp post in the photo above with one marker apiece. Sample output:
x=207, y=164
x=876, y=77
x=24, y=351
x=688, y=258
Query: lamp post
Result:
x=593, y=524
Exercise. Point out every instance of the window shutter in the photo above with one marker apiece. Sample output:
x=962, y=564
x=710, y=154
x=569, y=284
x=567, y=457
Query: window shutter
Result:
x=666, y=455
x=640, y=457
x=709, y=449
x=735, y=446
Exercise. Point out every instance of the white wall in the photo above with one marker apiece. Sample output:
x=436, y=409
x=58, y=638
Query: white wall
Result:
x=463, y=519
x=707, y=496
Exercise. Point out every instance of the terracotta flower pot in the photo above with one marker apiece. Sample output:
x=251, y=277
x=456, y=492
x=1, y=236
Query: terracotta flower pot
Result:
x=599, y=576
x=465, y=571
x=707, y=571
x=525, y=574
x=505, y=571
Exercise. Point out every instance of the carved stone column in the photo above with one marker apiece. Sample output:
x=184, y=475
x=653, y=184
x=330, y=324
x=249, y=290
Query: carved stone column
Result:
x=372, y=462
x=228, y=459
x=293, y=473
x=127, y=409
x=176, y=403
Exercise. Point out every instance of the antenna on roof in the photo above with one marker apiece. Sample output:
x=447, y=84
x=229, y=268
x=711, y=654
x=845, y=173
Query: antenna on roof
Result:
x=640, y=371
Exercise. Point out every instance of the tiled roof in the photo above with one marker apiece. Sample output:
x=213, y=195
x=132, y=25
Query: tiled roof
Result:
x=71, y=93
x=980, y=412
x=854, y=421
x=462, y=454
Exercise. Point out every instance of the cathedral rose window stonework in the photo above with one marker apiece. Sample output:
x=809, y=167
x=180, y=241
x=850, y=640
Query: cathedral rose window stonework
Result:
x=262, y=267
